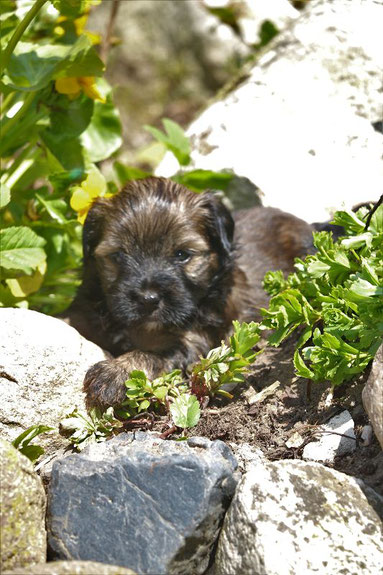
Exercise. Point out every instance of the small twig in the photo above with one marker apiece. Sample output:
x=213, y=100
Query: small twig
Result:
x=137, y=419
x=168, y=432
x=108, y=38
x=372, y=211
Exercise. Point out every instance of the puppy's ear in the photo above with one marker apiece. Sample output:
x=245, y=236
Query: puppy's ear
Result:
x=221, y=225
x=92, y=230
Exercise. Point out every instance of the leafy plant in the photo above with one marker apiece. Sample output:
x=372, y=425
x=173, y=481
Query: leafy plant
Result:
x=57, y=119
x=336, y=298
x=92, y=427
x=23, y=441
x=171, y=393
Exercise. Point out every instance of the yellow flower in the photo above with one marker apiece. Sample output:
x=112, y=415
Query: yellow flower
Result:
x=82, y=198
x=72, y=87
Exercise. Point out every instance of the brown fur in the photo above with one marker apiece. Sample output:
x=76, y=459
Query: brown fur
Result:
x=164, y=277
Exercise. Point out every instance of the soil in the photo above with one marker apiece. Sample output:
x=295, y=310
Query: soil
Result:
x=296, y=406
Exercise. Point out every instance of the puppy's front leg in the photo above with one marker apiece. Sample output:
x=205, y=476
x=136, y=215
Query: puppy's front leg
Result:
x=104, y=381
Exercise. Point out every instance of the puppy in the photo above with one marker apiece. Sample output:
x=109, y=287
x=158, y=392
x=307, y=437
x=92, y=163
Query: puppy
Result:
x=165, y=275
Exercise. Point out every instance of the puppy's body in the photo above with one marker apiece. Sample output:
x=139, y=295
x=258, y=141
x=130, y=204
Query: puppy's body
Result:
x=164, y=277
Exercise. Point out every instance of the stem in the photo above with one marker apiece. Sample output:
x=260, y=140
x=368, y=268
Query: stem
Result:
x=108, y=38
x=19, y=32
x=13, y=121
x=6, y=102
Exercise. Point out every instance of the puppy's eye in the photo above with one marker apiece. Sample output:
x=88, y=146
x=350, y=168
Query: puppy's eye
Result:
x=117, y=256
x=182, y=256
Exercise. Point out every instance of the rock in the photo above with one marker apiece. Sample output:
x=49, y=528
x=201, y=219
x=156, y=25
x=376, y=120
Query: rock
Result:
x=372, y=395
x=295, y=517
x=337, y=438
x=23, y=535
x=138, y=501
x=366, y=435
x=72, y=568
x=42, y=366
x=302, y=118
x=246, y=455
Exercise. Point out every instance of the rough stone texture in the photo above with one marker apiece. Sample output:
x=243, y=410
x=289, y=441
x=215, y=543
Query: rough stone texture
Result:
x=300, y=518
x=300, y=124
x=338, y=438
x=23, y=535
x=42, y=366
x=72, y=568
x=138, y=501
x=373, y=395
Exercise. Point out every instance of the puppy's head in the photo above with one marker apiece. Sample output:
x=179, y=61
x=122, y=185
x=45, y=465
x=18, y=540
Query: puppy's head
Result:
x=159, y=250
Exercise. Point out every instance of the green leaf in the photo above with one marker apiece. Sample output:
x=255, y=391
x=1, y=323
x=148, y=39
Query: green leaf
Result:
x=200, y=180
x=71, y=8
x=185, y=410
x=128, y=173
x=23, y=440
x=174, y=139
x=103, y=135
x=21, y=249
x=33, y=66
x=5, y=195
x=33, y=452
x=300, y=366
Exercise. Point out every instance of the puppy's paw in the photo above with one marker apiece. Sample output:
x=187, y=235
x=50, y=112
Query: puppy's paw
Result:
x=104, y=384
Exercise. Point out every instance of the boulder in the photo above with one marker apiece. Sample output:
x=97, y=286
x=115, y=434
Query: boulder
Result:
x=301, y=123
x=296, y=517
x=23, y=535
x=42, y=366
x=372, y=395
x=151, y=505
x=72, y=568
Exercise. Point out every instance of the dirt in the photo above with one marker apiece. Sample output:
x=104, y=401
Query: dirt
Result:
x=296, y=406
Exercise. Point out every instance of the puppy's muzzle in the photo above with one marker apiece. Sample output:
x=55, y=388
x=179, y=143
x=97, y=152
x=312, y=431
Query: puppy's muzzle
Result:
x=148, y=299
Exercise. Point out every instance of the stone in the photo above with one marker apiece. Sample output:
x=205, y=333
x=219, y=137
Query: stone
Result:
x=246, y=455
x=296, y=517
x=372, y=395
x=23, y=535
x=72, y=568
x=138, y=501
x=337, y=437
x=42, y=366
x=302, y=120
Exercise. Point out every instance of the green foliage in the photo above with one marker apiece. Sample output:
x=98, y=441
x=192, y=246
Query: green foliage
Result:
x=185, y=410
x=22, y=441
x=57, y=119
x=170, y=393
x=174, y=139
x=336, y=298
x=226, y=364
x=92, y=427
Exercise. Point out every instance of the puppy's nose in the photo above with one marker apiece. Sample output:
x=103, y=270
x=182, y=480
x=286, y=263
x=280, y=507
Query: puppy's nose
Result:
x=150, y=299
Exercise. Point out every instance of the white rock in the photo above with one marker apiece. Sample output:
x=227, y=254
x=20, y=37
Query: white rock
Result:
x=300, y=518
x=372, y=395
x=299, y=126
x=337, y=437
x=42, y=365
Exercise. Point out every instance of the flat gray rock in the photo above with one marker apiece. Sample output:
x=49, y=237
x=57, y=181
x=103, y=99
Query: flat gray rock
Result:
x=138, y=501
x=301, y=518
